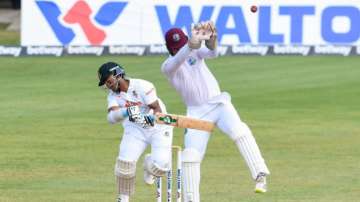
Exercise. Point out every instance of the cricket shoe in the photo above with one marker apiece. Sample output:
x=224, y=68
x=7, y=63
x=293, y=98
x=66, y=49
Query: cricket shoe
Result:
x=122, y=198
x=148, y=177
x=260, y=186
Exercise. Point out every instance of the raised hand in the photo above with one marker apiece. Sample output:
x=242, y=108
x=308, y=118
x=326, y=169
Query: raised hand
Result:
x=212, y=42
x=199, y=32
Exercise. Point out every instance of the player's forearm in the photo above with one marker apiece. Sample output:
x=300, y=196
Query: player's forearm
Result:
x=155, y=106
x=117, y=115
x=213, y=53
x=174, y=63
x=207, y=53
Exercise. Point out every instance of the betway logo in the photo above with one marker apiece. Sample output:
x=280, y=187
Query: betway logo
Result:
x=80, y=13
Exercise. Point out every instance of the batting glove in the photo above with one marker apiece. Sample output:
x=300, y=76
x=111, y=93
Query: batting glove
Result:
x=134, y=113
x=145, y=121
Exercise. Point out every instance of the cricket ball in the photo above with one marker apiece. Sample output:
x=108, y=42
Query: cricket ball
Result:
x=253, y=9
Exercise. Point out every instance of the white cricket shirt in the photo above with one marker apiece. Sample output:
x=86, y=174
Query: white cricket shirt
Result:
x=190, y=76
x=140, y=93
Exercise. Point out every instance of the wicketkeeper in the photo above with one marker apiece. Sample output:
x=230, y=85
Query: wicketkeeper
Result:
x=133, y=102
x=188, y=73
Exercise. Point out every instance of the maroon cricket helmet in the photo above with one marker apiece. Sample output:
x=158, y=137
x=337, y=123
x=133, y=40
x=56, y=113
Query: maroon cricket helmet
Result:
x=175, y=39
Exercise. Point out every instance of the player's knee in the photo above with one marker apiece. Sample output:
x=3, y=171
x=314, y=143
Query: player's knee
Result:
x=163, y=160
x=125, y=169
x=155, y=168
x=240, y=131
x=191, y=155
x=162, y=163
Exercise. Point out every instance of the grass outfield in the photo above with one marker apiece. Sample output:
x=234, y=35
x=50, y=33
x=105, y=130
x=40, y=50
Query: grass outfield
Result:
x=55, y=143
x=8, y=37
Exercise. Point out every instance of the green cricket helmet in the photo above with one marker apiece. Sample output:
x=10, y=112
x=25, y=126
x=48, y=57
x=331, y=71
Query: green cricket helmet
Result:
x=108, y=69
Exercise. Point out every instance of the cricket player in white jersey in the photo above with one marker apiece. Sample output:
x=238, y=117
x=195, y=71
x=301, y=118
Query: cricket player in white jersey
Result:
x=133, y=103
x=188, y=73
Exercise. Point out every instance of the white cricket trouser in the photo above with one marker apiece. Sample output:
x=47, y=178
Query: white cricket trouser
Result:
x=131, y=146
x=224, y=115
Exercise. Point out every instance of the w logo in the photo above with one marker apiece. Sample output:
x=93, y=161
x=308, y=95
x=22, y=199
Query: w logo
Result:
x=80, y=13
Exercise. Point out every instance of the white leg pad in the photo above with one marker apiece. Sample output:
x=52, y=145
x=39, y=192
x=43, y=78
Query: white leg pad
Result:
x=125, y=172
x=191, y=159
x=153, y=168
x=251, y=153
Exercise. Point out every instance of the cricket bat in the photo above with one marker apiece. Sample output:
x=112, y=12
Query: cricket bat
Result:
x=184, y=122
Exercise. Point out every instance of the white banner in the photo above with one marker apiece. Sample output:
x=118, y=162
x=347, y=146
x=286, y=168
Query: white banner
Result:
x=144, y=22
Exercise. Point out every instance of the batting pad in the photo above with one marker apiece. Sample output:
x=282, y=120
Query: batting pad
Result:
x=154, y=168
x=191, y=159
x=251, y=153
x=125, y=176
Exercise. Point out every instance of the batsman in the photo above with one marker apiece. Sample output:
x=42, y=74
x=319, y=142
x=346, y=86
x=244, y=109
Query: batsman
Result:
x=133, y=102
x=188, y=73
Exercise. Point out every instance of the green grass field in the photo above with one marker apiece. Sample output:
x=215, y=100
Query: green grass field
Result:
x=55, y=143
x=8, y=37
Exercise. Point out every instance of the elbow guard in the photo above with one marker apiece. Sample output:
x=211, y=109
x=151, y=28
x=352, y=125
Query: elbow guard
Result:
x=115, y=116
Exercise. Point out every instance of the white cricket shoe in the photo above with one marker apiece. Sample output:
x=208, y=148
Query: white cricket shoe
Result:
x=122, y=198
x=148, y=177
x=260, y=186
